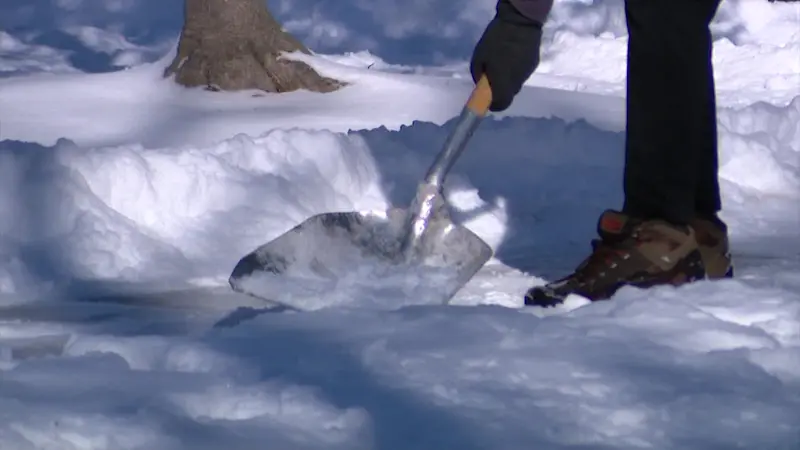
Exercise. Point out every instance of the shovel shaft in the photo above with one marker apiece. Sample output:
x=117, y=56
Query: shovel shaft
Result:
x=471, y=115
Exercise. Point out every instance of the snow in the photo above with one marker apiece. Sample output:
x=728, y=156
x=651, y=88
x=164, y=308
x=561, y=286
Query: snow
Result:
x=20, y=57
x=125, y=201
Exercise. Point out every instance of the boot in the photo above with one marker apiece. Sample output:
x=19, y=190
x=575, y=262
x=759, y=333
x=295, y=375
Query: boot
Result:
x=630, y=251
x=712, y=239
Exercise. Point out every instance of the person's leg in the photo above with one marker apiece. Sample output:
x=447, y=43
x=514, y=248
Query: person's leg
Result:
x=670, y=154
x=670, y=163
x=712, y=232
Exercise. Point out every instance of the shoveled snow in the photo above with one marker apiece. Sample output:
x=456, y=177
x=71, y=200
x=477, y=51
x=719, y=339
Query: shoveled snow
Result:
x=125, y=201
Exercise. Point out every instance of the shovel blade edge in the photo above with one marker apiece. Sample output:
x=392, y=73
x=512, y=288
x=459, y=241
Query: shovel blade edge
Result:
x=356, y=259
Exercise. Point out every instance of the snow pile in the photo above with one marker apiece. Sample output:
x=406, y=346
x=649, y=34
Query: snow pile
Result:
x=145, y=215
x=587, y=39
x=186, y=214
x=749, y=135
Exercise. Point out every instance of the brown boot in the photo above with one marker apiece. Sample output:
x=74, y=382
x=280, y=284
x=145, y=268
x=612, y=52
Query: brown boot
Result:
x=712, y=239
x=629, y=252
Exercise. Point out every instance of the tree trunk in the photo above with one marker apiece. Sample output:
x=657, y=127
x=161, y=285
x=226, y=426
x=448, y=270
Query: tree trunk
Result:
x=235, y=44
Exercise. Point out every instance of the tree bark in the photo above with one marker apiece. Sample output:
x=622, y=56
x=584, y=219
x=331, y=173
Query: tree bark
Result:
x=236, y=44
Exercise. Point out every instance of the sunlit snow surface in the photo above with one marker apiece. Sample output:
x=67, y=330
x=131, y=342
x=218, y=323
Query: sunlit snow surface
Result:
x=118, y=331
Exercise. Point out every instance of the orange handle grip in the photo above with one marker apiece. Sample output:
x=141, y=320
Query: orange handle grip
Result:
x=481, y=97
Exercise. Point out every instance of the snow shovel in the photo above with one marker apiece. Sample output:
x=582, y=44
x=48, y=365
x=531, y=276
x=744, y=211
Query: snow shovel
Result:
x=375, y=258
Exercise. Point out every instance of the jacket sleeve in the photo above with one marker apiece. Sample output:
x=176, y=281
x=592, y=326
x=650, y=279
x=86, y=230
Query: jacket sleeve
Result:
x=537, y=10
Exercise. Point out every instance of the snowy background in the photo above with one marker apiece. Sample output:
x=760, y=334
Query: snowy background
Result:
x=125, y=201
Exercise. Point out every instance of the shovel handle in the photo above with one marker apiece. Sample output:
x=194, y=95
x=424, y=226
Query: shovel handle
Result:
x=481, y=98
x=471, y=115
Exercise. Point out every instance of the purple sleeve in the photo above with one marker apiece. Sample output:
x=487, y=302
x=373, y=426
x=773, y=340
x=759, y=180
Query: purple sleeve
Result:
x=534, y=9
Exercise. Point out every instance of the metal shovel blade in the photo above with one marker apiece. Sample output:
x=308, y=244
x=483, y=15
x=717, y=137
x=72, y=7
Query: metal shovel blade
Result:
x=363, y=259
x=395, y=257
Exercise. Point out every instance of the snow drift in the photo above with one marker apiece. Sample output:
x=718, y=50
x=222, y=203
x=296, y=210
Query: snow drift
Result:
x=180, y=214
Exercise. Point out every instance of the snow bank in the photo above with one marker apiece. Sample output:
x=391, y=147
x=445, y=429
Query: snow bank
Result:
x=186, y=214
x=749, y=135
x=587, y=39
x=145, y=215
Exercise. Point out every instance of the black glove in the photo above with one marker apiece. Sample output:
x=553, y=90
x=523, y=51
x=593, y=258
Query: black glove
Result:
x=508, y=53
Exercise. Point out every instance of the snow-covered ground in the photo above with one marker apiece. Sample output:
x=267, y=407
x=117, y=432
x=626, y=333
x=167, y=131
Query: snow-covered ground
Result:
x=125, y=201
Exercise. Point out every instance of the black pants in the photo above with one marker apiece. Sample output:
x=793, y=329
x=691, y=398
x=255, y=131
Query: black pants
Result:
x=671, y=142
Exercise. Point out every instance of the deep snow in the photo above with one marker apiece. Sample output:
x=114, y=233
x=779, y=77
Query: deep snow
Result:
x=126, y=201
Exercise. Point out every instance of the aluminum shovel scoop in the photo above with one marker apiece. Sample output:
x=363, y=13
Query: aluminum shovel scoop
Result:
x=378, y=258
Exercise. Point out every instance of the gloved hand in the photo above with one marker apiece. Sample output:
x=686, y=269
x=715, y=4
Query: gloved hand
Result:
x=508, y=53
